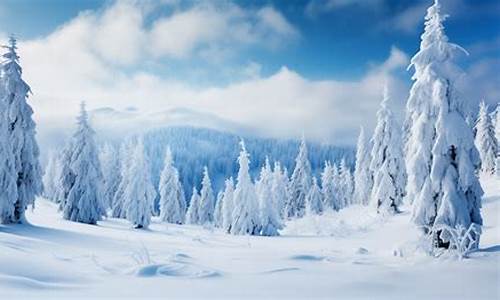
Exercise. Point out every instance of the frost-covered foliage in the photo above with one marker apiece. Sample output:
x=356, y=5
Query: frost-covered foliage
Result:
x=66, y=176
x=110, y=166
x=20, y=137
x=389, y=178
x=83, y=202
x=172, y=200
x=207, y=200
x=139, y=193
x=228, y=205
x=124, y=157
x=314, y=203
x=300, y=183
x=363, y=175
x=50, y=177
x=192, y=214
x=269, y=216
x=461, y=240
x=279, y=188
x=442, y=158
x=246, y=204
x=346, y=185
x=194, y=148
x=486, y=141
x=330, y=197
x=218, y=214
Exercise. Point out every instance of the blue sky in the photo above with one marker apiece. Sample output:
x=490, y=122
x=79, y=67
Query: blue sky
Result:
x=200, y=54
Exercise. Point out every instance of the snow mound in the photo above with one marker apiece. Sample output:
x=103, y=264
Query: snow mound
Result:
x=176, y=269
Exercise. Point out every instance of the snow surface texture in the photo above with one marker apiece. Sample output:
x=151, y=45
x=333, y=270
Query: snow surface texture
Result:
x=350, y=254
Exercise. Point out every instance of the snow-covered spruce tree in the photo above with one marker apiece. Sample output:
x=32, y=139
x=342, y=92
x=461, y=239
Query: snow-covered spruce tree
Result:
x=110, y=166
x=124, y=159
x=139, y=194
x=66, y=176
x=8, y=174
x=300, y=183
x=269, y=217
x=84, y=199
x=50, y=177
x=327, y=187
x=172, y=200
x=338, y=190
x=246, y=213
x=21, y=129
x=279, y=189
x=314, y=203
x=192, y=214
x=218, y=215
x=346, y=184
x=228, y=205
x=387, y=163
x=442, y=157
x=486, y=142
x=363, y=175
x=207, y=200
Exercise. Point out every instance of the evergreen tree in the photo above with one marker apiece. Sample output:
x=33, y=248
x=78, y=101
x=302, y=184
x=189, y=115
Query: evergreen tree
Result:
x=228, y=205
x=139, y=194
x=314, y=205
x=338, y=190
x=279, y=189
x=207, y=200
x=84, y=199
x=172, y=200
x=66, y=176
x=21, y=134
x=50, y=177
x=110, y=165
x=486, y=142
x=387, y=161
x=245, y=214
x=300, y=183
x=269, y=216
x=442, y=158
x=124, y=157
x=363, y=175
x=192, y=214
x=218, y=215
x=327, y=186
x=346, y=184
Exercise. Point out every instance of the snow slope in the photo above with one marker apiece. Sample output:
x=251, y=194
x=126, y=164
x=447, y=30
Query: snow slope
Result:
x=345, y=255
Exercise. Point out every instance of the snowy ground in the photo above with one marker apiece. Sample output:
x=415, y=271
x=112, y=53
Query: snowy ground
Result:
x=353, y=257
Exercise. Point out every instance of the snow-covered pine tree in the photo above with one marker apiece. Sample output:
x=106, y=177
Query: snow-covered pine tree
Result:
x=442, y=157
x=139, y=194
x=327, y=187
x=279, y=188
x=84, y=199
x=192, y=214
x=110, y=166
x=50, y=177
x=246, y=213
x=207, y=200
x=338, y=191
x=346, y=184
x=270, y=219
x=218, y=215
x=172, y=200
x=22, y=132
x=314, y=203
x=486, y=142
x=363, y=175
x=8, y=173
x=124, y=159
x=228, y=205
x=387, y=163
x=300, y=183
x=66, y=176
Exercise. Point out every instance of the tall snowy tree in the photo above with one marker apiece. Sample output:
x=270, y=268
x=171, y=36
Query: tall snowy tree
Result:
x=172, y=200
x=21, y=133
x=314, y=199
x=387, y=161
x=50, y=177
x=110, y=166
x=66, y=176
x=246, y=212
x=124, y=159
x=207, y=200
x=139, y=194
x=486, y=141
x=327, y=187
x=279, y=188
x=218, y=214
x=84, y=199
x=192, y=214
x=270, y=219
x=300, y=183
x=363, y=175
x=442, y=157
x=338, y=190
x=346, y=184
x=228, y=205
